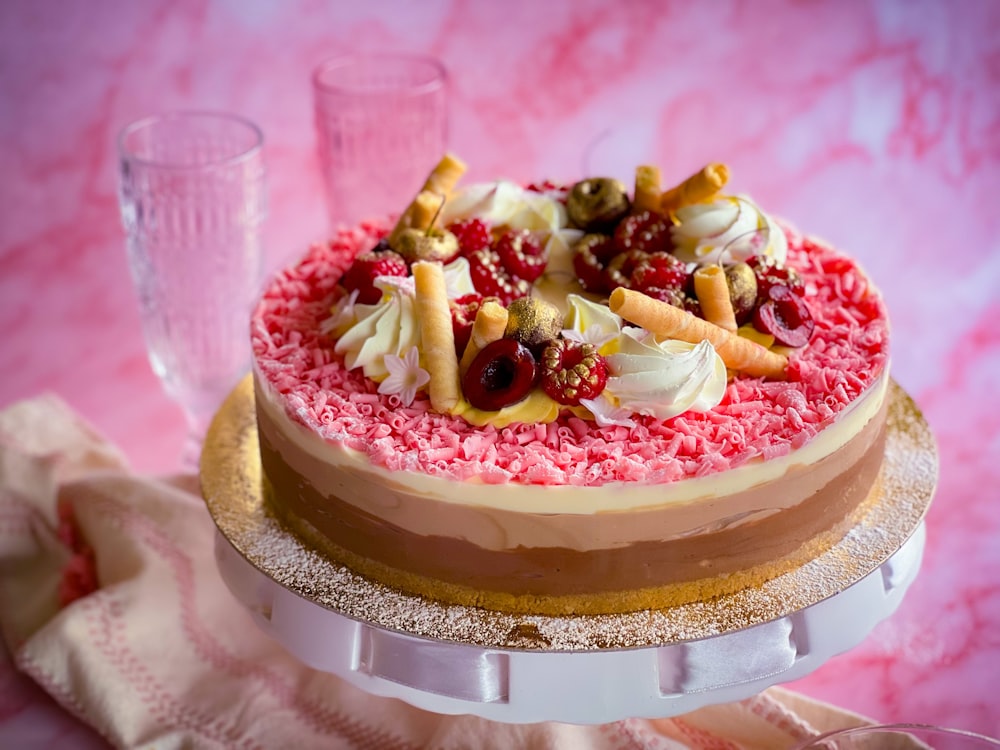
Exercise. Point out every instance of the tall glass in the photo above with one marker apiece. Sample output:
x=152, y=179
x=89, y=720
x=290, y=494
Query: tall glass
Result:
x=192, y=197
x=381, y=126
x=900, y=737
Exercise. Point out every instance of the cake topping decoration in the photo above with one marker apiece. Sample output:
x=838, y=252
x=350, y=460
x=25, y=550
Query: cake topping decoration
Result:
x=700, y=187
x=406, y=376
x=647, y=195
x=533, y=322
x=489, y=326
x=713, y=295
x=427, y=244
x=785, y=316
x=502, y=374
x=667, y=321
x=597, y=203
x=367, y=268
x=573, y=371
x=298, y=335
x=742, y=283
x=437, y=335
x=729, y=228
x=663, y=379
x=687, y=266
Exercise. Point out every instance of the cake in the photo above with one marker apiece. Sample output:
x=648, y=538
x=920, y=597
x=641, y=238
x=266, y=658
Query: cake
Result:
x=574, y=399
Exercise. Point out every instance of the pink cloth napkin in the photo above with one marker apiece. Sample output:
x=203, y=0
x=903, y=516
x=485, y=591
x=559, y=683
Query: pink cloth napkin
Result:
x=110, y=599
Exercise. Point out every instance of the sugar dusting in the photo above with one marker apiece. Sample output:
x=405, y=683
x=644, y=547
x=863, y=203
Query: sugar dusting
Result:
x=231, y=485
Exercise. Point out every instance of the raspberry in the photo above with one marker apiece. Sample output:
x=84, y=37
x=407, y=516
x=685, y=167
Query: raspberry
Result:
x=551, y=189
x=670, y=295
x=472, y=235
x=545, y=186
x=572, y=371
x=590, y=255
x=645, y=231
x=521, y=254
x=661, y=270
x=491, y=279
x=770, y=273
x=367, y=267
x=463, y=315
x=622, y=266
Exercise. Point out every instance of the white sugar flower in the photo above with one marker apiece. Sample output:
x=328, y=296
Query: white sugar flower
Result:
x=606, y=413
x=342, y=315
x=406, y=376
x=595, y=335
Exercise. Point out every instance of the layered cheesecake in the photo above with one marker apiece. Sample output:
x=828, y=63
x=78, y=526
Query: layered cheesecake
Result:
x=579, y=399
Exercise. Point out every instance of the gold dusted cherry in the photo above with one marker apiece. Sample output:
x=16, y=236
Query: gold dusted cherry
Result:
x=597, y=204
x=426, y=244
x=533, y=321
x=742, y=283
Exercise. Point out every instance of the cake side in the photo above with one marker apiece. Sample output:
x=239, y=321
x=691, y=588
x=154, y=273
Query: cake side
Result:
x=561, y=563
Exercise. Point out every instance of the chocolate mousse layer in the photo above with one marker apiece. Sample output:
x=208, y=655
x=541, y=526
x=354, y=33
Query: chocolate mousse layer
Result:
x=445, y=566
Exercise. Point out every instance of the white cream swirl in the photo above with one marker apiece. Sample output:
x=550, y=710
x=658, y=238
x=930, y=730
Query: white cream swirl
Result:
x=505, y=203
x=658, y=379
x=591, y=323
x=731, y=228
x=667, y=378
x=390, y=326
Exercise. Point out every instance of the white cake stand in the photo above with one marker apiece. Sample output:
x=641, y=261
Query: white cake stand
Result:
x=583, y=669
x=580, y=687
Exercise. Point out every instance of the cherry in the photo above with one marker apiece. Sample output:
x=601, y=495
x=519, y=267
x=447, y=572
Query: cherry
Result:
x=785, y=316
x=770, y=273
x=502, y=374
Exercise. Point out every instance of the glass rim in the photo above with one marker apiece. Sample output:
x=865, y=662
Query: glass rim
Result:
x=437, y=81
x=188, y=114
x=900, y=727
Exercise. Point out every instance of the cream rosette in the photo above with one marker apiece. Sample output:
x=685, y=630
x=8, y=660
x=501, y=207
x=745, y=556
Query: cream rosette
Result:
x=730, y=228
x=506, y=204
x=390, y=326
x=654, y=378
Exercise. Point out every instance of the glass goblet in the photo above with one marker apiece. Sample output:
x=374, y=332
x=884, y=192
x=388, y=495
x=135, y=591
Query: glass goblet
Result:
x=899, y=737
x=381, y=125
x=193, y=201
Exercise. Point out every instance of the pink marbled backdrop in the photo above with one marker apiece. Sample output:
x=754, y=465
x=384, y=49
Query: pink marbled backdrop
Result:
x=873, y=124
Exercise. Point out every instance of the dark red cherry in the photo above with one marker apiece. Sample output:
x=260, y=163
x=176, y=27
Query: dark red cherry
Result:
x=785, y=316
x=770, y=273
x=502, y=374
